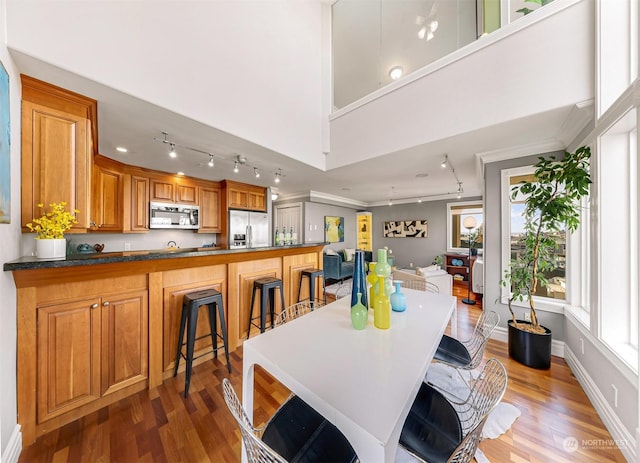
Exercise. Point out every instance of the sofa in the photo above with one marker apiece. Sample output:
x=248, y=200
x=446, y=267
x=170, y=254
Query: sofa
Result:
x=339, y=264
x=440, y=278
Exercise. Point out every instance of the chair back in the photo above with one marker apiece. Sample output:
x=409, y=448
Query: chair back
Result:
x=487, y=391
x=421, y=285
x=485, y=325
x=296, y=310
x=343, y=291
x=257, y=451
x=466, y=450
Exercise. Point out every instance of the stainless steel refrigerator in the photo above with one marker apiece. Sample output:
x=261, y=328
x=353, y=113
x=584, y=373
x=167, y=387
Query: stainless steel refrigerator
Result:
x=249, y=229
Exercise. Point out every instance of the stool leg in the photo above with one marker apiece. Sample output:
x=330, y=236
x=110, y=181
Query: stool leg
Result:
x=223, y=329
x=212, y=325
x=312, y=289
x=263, y=309
x=183, y=321
x=281, y=302
x=300, y=285
x=191, y=339
x=324, y=290
x=253, y=298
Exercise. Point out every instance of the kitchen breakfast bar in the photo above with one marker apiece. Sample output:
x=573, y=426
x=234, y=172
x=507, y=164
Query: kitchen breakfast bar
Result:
x=93, y=329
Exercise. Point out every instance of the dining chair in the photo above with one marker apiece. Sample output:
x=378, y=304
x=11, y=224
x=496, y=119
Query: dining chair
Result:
x=343, y=291
x=296, y=432
x=296, y=310
x=467, y=354
x=421, y=285
x=440, y=429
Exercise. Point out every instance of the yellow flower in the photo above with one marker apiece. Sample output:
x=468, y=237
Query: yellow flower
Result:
x=54, y=223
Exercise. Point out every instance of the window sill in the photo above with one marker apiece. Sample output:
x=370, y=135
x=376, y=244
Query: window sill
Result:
x=542, y=305
x=579, y=314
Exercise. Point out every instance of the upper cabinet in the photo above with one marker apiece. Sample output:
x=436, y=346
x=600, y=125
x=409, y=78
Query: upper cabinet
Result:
x=210, y=209
x=107, y=199
x=173, y=190
x=245, y=196
x=58, y=139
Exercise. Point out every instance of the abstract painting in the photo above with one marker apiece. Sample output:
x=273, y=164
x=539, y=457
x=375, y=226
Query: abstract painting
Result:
x=333, y=229
x=5, y=166
x=405, y=229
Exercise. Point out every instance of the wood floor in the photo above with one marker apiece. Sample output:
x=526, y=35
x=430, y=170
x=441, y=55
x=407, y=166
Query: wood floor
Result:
x=161, y=426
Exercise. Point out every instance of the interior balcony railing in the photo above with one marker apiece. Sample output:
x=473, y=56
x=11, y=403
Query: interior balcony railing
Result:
x=375, y=42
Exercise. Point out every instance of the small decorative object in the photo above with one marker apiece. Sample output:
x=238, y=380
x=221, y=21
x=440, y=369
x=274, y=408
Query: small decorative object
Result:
x=381, y=306
x=437, y=260
x=98, y=247
x=373, y=281
x=84, y=248
x=398, y=299
x=359, y=282
x=49, y=230
x=359, y=314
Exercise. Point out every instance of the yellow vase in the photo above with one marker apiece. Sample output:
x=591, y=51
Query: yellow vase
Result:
x=382, y=305
x=373, y=281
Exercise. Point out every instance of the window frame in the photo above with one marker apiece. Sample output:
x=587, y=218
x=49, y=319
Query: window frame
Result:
x=476, y=204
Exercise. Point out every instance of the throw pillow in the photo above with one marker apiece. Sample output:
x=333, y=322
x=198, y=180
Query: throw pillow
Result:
x=349, y=254
x=422, y=271
x=331, y=252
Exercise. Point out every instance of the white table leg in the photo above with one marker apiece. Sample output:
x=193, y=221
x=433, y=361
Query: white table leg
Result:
x=247, y=394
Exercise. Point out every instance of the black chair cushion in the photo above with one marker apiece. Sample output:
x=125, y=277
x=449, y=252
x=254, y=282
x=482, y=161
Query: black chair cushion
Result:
x=432, y=429
x=301, y=435
x=453, y=352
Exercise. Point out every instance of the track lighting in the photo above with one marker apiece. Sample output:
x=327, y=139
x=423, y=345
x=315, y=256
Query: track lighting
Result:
x=278, y=175
x=459, y=190
x=444, y=161
x=172, y=153
x=211, y=163
x=419, y=200
x=396, y=72
x=235, y=167
x=256, y=172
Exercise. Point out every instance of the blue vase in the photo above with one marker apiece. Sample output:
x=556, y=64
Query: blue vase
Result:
x=398, y=299
x=359, y=284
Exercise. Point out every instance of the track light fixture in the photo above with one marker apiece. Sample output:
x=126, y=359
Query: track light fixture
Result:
x=444, y=161
x=211, y=163
x=172, y=152
x=256, y=172
x=236, y=169
x=278, y=175
x=459, y=190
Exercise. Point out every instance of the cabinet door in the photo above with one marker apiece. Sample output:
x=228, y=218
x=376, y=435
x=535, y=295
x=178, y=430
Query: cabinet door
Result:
x=68, y=353
x=139, y=204
x=161, y=191
x=210, y=210
x=56, y=162
x=124, y=341
x=107, y=197
x=237, y=198
x=257, y=201
x=186, y=193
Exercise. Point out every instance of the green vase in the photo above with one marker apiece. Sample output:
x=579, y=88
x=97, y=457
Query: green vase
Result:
x=373, y=281
x=359, y=314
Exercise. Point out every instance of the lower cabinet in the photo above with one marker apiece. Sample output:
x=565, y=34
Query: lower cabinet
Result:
x=88, y=349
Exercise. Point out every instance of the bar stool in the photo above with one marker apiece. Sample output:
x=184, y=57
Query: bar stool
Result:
x=312, y=274
x=191, y=304
x=267, y=287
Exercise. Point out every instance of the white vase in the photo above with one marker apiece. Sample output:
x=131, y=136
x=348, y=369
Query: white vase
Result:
x=51, y=248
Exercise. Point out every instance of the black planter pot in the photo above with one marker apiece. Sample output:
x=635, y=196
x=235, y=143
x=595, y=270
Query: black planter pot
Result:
x=530, y=349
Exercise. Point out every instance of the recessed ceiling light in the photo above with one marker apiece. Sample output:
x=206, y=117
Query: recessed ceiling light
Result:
x=180, y=173
x=346, y=188
x=395, y=72
x=122, y=149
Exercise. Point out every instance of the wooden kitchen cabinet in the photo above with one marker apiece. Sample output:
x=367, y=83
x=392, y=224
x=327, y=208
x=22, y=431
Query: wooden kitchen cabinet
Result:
x=210, y=200
x=58, y=130
x=172, y=190
x=245, y=196
x=136, y=204
x=107, y=197
x=88, y=349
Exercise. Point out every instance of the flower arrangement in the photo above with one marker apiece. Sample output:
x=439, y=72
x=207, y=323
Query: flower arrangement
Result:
x=54, y=223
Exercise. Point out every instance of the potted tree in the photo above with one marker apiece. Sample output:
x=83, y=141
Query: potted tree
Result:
x=551, y=206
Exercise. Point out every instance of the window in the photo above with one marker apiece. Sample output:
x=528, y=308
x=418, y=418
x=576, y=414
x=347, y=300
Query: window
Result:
x=458, y=235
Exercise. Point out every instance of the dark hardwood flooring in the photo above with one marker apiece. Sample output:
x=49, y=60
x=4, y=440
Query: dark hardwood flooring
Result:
x=161, y=426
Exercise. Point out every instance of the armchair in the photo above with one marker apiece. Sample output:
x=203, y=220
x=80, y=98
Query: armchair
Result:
x=336, y=268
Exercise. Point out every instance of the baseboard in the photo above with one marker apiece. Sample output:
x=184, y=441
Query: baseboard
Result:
x=14, y=447
x=622, y=437
x=502, y=334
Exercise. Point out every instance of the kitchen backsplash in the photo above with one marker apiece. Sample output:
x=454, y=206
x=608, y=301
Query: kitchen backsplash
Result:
x=155, y=239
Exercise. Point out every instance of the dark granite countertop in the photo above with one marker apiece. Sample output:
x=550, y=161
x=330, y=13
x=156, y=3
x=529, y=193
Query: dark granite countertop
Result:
x=73, y=260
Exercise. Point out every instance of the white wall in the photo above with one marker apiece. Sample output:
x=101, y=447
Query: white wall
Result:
x=239, y=79
x=530, y=72
x=10, y=442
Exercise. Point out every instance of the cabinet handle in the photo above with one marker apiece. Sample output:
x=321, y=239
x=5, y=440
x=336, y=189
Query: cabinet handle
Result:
x=105, y=303
x=94, y=306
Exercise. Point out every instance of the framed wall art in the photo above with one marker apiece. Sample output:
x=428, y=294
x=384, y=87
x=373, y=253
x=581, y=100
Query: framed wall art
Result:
x=405, y=229
x=5, y=165
x=333, y=229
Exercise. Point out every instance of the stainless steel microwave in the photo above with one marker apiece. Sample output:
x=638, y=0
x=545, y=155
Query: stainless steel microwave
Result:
x=180, y=216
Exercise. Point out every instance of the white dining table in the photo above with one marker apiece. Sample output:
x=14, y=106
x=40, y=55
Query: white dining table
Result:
x=364, y=382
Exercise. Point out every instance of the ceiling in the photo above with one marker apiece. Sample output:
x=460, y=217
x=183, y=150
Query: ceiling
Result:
x=416, y=172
